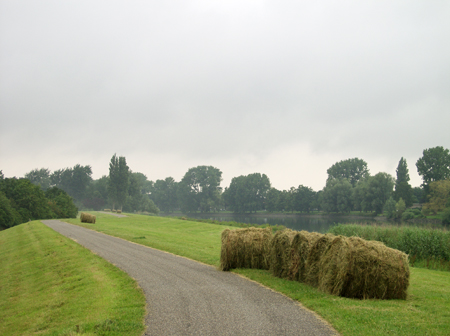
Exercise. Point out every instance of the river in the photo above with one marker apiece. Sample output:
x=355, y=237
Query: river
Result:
x=311, y=223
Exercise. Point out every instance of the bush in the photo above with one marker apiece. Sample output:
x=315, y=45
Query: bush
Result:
x=407, y=215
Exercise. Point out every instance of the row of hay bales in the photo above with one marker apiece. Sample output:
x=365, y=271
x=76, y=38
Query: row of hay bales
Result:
x=349, y=267
x=109, y=210
x=87, y=218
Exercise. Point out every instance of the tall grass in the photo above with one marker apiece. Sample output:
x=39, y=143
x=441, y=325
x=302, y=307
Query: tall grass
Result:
x=426, y=247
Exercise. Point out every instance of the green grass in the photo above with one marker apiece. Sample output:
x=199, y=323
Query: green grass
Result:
x=50, y=285
x=425, y=312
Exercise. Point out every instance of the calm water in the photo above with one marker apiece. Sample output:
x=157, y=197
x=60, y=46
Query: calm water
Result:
x=303, y=222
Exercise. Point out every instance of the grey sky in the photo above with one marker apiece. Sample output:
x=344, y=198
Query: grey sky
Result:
x=285, y=88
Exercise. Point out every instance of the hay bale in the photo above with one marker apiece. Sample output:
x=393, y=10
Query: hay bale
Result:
x=356, y=268
x=280, y=252
x=334, y=266
x=87, y=218
x=108, y=210
x=300, y=248
x=245, y=248
x=119, y=211
x=312, y=267
x=376, y=271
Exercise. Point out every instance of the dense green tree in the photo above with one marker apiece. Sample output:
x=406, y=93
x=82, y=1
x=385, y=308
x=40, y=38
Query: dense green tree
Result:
x=403, y=189
x=40, y=177
x=74, y=181
x=389, y=208
x=272, y=199
x=247, y=193
x=434, y=165
x=418, y=195
x=199, y=189
x=359, y=195
x=27, y=199
x=351, y=169
x=379, y=190
x=1, y=175
x=438, y=197
x=61, y=203
x=164, y=194
x=97, y=194
x=118, y=181
x=304, y=199
x=8, y=215
x=138, y=199
x=337, y=196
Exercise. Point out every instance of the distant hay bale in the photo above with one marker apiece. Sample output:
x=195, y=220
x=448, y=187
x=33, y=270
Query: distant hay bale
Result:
x=108, y=210
x=300, y=248
x=87, y=218
x=280, y=252
x=312, y=267
x=119, y=211
x=245, y=248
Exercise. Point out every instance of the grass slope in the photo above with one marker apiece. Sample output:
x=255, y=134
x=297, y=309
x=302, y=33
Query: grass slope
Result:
x=50, y=285
x=425, y=312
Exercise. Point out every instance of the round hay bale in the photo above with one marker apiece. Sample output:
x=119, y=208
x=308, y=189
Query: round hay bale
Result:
x=245, y=248
x=280, y=252
x=300, y=248
x=376, y=271
x=87, y=218
x=312, y=267
x=334, y=265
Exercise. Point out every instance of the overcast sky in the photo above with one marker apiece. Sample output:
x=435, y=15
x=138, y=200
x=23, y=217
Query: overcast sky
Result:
x=284, y=88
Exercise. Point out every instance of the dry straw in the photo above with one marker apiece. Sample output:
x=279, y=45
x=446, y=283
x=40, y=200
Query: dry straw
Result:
x=376, y=271
x=311, y=272
x=245, y=248
x=280, y=252
x=87, y=218
x=300, y=248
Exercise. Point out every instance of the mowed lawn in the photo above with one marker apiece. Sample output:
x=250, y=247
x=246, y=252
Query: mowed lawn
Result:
x=425, y=312
x=50, y=285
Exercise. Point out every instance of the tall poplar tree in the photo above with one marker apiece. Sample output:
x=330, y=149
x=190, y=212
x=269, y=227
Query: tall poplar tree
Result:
x=118, y=181
x=402, y=187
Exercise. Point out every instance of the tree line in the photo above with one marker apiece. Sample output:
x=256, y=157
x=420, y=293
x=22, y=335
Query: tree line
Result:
x=349, y=187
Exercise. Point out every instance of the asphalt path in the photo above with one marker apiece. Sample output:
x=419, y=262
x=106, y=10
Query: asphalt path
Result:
x=185, y=297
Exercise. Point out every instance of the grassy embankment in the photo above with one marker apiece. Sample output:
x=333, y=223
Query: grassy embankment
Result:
x=50, y=285
x=425, y=312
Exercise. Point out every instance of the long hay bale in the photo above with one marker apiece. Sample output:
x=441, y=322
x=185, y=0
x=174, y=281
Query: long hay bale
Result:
x=312, y=267
x=300, y=248
x=376, y=271
x=87, y=218
x=245, y=248
x=280, y=252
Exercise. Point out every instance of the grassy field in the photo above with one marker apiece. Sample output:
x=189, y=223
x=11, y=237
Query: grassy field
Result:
x=50, y=285
x=425, y=312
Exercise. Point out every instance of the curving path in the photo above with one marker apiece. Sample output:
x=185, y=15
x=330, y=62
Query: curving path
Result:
x=185, y=297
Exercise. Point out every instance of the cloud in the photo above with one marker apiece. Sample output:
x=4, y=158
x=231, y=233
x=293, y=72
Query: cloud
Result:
x=280, y=86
